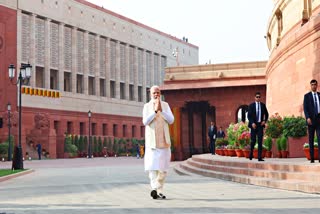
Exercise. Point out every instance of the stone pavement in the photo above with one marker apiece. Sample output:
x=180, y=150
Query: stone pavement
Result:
x=120, y=185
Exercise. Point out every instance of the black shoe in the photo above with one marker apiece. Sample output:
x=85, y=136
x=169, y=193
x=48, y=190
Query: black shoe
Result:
x=154, y=194
x=213, y=153
x=312, y=161
x=260, y=160
x=161, y=196
x=250, y=158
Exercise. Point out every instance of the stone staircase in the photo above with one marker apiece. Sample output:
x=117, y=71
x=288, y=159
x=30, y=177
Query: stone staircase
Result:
x=295, y=174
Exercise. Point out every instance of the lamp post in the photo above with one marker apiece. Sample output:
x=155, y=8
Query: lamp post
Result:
x=89, y=147
x=9, y=128
x=24, y=75
x=175, y=53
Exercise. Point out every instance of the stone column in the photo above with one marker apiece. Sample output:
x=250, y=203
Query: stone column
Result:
x=127, y=75
x=86, y=62
x=117, y=83
x=144, y=81
x=32, y=59
x=61, y=57
x=47, y=54
x=160, y=81
x=97, y=66
x=107, y=74
x=136, y=68
x=74, y=60
x=152, y=71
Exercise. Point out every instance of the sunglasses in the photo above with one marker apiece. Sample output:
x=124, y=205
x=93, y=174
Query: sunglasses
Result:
x=257, y=96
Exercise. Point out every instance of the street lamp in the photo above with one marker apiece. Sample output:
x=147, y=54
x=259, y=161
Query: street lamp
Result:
x=9, y=128
x=89, y=147
x=24, y=75
x=175, y=53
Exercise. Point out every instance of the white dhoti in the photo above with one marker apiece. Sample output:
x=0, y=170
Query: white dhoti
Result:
x=157, y=159
x=156, y=162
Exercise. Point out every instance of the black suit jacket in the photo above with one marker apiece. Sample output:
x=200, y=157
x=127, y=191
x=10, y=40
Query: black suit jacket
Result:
x=252, y=113
x=308, y=106
x=211, y=133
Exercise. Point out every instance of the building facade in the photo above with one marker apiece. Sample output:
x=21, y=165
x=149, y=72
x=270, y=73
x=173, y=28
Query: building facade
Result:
x=84, y=57
x=203, y=93
x=293, y=39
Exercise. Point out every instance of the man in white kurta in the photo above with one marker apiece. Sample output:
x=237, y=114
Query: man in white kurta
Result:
x=157, y=116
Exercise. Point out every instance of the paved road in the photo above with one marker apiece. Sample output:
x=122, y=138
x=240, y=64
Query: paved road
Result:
x=119, y=185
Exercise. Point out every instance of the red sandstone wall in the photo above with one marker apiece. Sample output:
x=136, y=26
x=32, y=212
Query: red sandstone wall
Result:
x=8, y=55
x=291, y=67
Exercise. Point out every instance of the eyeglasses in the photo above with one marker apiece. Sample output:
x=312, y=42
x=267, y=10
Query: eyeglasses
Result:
x=257, y=96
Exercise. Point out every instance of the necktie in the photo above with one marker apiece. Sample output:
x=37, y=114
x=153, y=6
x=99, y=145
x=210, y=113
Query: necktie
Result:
x=258, y=112
x=316, y=109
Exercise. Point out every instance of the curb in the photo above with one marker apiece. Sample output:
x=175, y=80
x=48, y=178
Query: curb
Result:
x=8, y=177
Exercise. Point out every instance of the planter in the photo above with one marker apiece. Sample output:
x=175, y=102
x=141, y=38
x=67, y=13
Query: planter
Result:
x=295, y=145
x=307, y=153
x=231, y=152
x=255, y=153
x=246, y=153
x=239, y=153
x=268, y=154
x=284, y=154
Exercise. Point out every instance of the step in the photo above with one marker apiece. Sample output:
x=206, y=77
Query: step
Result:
x=269, y=164
x=278, y=175
x=293, y=185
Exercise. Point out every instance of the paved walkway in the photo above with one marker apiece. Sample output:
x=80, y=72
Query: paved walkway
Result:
x=119, y=185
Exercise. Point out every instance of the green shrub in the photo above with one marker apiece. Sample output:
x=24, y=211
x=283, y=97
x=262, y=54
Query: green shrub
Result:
x=278, y=143
x=294, y=127
x=274, y=127
x=268, y=143
x=283, y=143
x=69, y=147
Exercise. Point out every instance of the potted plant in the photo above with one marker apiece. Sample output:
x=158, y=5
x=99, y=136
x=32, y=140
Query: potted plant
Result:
x=274, y=126
x=295, y=129
x=283, y=147
x=306, y=150
x=278, y=144
x=268, y=144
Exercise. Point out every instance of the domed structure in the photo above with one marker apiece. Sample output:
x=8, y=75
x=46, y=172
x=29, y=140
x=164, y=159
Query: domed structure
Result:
x=293, y=40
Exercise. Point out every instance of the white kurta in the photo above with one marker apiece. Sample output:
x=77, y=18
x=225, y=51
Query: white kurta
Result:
x=157, y=159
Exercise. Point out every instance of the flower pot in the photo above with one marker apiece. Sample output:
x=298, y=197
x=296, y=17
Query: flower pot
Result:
x=255, y=153
x=279, y=155
x=268, y=154
x=239, y=153
x=231, y=152
x=284, y=154
x=294, y=146
x=307, y=153
x=246, y=153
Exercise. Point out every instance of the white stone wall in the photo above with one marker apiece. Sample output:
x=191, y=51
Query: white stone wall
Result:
x=69, y=36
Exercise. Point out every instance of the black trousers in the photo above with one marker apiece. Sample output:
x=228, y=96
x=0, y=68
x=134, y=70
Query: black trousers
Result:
x=212, y=145
x=256, y=133
x=311, y=130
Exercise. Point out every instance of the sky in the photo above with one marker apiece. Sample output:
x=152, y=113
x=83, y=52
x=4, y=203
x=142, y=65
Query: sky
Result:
x=224, y=30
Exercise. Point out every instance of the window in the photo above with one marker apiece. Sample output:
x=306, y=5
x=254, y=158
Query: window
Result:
x=104, y=129
x=39, y=77
x=133, y=131
x=122, y=91
x=67, y=82
x=82, y=128
x=131, y=92
x=79, y=83
x=91, y=86
x=102, y=88
x=69, y=127
x=141, y=131
x=140, y=94
x=112, y=89
x=93, y=128
x=115, y=130
x=124, y=130
x=54, y=79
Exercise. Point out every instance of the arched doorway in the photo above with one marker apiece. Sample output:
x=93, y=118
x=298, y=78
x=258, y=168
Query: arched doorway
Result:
x=242, y=113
